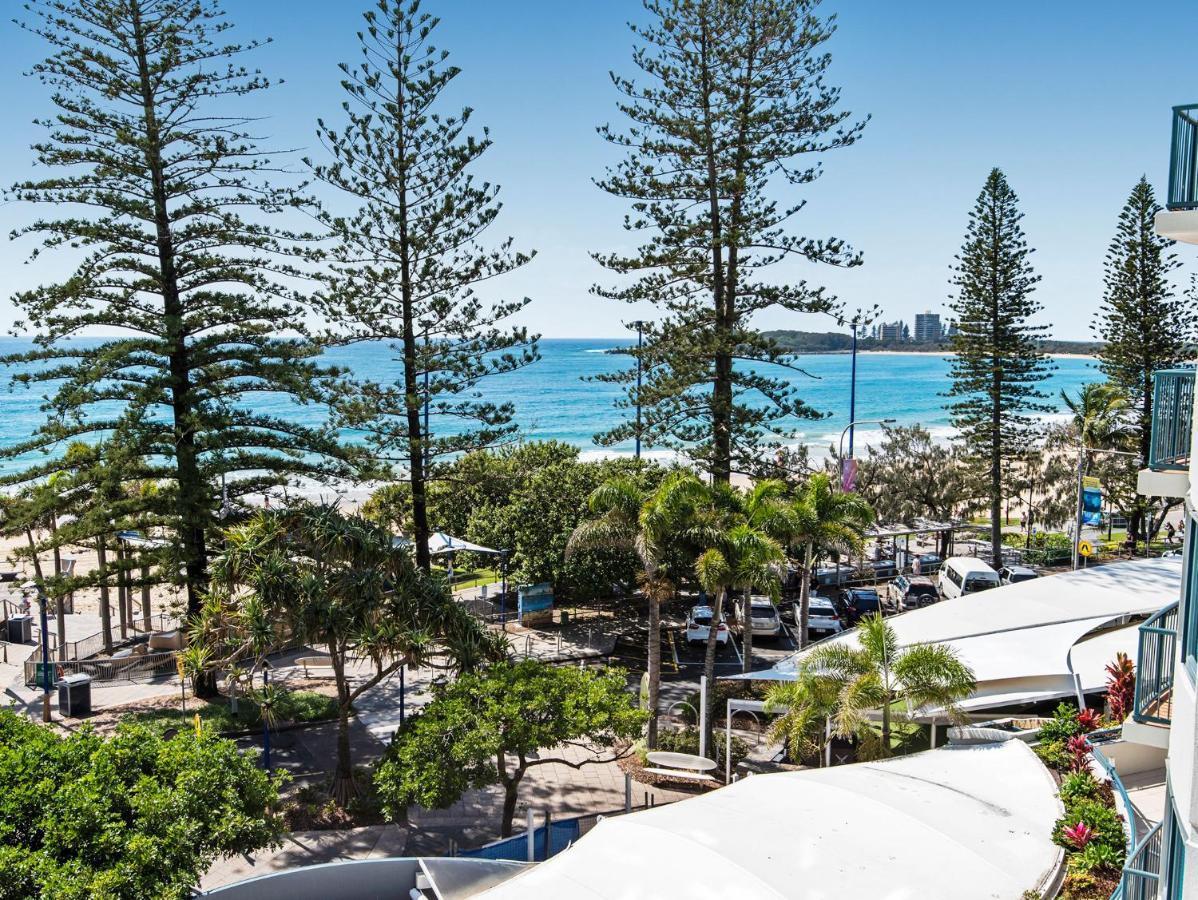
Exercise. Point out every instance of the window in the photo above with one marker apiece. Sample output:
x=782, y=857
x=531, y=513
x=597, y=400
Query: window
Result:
x=1189, y=600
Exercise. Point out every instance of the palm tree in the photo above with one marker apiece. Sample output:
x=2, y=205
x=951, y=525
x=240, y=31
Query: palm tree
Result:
x=767, y=508
x=1099, y=411
x=743, y=557
x=876, y=675
x=806, y=706
x=825, y=520
x=657, y=529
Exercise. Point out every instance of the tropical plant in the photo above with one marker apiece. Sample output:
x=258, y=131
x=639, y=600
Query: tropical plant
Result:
x=1120, y=686
x=1080, y=785
x=312, y=574
x=655, y=528
x=997, y=366
x=742, y=558
x=130, y=816
x=1078, y=835
x=491, y=727
x=1098, y=414
x=733, y=97
x=825, y=521
x=875, y=675
x=804, y=709
x=406, y=261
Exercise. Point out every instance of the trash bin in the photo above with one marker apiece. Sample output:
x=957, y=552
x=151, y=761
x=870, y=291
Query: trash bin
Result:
x=565, y=617
x=20, y=629
x=75, y=696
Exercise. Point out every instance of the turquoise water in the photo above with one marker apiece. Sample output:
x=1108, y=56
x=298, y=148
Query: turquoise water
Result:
x=554, y=402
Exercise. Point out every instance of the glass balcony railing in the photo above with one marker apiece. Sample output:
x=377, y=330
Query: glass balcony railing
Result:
x=1183, y=161
x=1172, y=419
x=1154, y=672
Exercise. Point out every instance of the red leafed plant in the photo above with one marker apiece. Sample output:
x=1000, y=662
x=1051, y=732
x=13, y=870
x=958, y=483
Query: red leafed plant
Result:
x=1079, y=835
x=1089, y=719
x=1120, y=686
x=1079, y=752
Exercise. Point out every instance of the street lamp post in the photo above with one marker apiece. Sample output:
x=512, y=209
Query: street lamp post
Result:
x=46, y=673
x=640, y=328
x=852, y=392
x=265, y=715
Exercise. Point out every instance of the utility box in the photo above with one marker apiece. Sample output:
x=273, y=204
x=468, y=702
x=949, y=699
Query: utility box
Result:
x=75, y=696
x=20, y=629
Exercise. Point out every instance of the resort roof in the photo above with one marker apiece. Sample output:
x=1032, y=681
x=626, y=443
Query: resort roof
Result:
x=958, y=822
x=1027, y=641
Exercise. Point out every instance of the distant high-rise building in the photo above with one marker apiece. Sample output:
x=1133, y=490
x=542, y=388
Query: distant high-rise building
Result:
x=891, y=331
x=927, y=328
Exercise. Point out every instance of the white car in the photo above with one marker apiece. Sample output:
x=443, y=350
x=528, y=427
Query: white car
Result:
x=766, y=621
x=822, y=617
x=698, y=626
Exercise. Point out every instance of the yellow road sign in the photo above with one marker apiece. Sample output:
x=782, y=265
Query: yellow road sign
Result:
x=1085, y=548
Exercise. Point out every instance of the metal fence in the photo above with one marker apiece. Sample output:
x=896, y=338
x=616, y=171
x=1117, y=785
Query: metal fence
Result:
x=1142, y=872
x=144, y=667
x=1154, y=668
x=1183, y=159
x=1172, y=418
x=547, y=841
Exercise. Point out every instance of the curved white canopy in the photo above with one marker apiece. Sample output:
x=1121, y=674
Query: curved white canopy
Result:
x=958, y=822
x=1027, y=642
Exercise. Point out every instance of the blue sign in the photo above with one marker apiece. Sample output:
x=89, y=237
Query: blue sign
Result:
x=535, y=598
x=1092, y=506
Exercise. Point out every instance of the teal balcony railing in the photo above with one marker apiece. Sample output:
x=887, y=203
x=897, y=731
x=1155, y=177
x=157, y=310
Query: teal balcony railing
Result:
x=1183, y=161
x=1154, y=671
x=1172, y=418
x=1141, y=878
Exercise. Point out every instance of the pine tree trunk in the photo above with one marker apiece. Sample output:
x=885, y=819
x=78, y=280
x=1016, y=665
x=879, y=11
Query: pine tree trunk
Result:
x=996, y=474
x=60, y=618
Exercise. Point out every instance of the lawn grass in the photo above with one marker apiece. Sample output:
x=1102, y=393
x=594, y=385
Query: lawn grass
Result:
x=471, y=578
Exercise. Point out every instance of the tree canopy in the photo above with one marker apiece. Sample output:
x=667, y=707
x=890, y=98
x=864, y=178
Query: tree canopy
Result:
x=131, y=816
x=491, y=727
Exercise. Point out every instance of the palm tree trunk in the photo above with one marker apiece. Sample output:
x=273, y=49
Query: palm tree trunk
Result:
x=747, y=635
x=805, y=595
x=717, y=610
x=654, y=663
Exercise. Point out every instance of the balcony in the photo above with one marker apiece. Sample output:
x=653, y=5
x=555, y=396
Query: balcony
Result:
x=1154, y=673
x=1179, y=220
x=1167, y=474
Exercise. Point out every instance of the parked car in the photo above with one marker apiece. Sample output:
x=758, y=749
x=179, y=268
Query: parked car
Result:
x=858, y=602
x=833, y=576
x=698, y=626
x=912, y=591
x=765, y=618
x=1016, y=574
x=822, y=617
x=965, y=575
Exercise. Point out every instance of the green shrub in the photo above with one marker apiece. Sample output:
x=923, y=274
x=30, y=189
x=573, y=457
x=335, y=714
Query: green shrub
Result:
x=1054, y=754
x=1097, y=857
x=1062, y=726
x=1105, y=822
x=1078, y=786
x=288, y=706
x=305, y=706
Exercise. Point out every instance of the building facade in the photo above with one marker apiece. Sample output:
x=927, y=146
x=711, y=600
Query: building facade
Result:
x=927, y=328
x=1164, y=864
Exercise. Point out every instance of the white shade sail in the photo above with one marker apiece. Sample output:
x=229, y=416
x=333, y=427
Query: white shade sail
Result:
x=958, y=822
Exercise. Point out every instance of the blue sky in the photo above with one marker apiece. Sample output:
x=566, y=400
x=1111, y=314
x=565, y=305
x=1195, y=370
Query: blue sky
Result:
x=1072, y=99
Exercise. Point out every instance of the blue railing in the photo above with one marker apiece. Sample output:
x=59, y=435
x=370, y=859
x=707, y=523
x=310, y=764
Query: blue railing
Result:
x=1154, y=670
x=1172, y=418
x=545, y=844
x=1183, y=160
x=1142, y=872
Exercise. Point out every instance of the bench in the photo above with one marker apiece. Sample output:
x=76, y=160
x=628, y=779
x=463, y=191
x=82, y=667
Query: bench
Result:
x=323, y=664
x=680, y=774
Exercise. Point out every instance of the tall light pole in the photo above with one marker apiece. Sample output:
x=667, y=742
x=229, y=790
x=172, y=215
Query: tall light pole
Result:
x=848, y=429
x=47, y=674
x=852, y=392
x=640, y=326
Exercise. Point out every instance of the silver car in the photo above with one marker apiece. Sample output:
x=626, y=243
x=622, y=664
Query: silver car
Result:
x=822, y=618
x=765, y=618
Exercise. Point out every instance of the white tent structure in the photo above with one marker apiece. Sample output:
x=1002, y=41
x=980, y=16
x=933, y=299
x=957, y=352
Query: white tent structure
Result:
x=958, y=822
x=1036, y=640
x=440, y=543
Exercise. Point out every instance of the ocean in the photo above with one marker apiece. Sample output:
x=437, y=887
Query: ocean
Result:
x=554, y=402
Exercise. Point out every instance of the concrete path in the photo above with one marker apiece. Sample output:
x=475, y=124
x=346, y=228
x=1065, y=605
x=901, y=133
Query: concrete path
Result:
x=309, y=848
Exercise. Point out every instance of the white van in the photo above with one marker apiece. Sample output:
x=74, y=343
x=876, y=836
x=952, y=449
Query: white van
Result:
x=965, y=575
